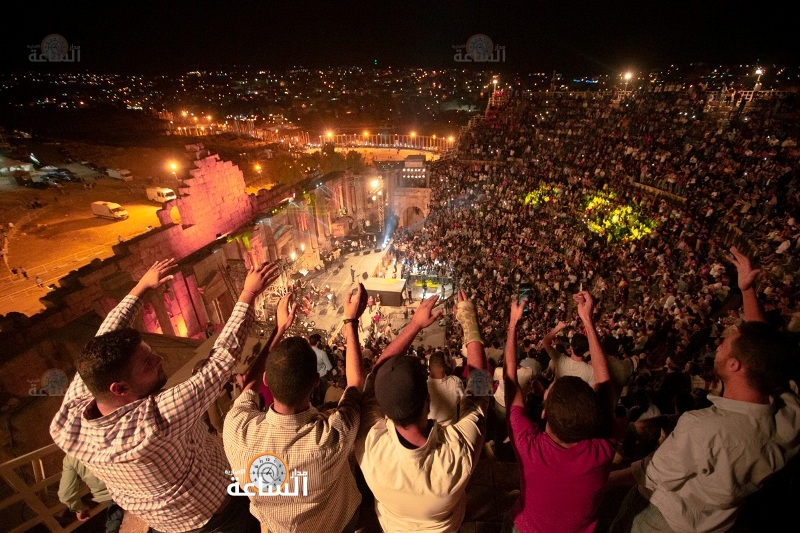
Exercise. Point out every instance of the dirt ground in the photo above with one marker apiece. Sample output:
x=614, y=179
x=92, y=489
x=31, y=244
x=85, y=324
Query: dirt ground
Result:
x=61, y=235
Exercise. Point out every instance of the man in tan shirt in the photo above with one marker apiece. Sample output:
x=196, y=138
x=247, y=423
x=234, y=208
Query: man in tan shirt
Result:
x=290, y=459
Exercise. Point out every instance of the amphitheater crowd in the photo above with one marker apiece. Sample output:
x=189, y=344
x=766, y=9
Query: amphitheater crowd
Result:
x=730, y=181
x=630, y=342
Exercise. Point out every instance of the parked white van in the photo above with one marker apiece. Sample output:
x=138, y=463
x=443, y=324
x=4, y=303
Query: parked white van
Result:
x=160, y=194
x=109, y=210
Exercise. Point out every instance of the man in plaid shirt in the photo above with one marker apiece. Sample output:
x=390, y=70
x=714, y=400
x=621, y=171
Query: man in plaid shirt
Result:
x=151, y=447
x=291, y=431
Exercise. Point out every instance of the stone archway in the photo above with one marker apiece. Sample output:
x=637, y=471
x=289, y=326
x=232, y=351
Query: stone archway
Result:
x=412, y=216
x=175, y=215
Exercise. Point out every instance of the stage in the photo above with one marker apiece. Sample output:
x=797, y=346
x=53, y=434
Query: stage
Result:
x=389, y=289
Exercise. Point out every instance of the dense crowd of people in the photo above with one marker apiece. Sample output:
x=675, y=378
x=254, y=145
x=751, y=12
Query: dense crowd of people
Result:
x=661, y=356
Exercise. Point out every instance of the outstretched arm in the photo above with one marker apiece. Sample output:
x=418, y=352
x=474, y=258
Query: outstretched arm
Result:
x=513, y=395
x=599, y=359
x=547, y=341
x=747, y=275
x=602, y=376
x=467, y=316
x=424, y=317
x=182, y=405
x=353, y=309
x=123, y=314
x=284, y=318
x=154, y=277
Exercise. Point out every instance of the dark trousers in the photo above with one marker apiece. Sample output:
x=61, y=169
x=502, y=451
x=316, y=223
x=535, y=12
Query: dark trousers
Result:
x=114, y=515
x=235, y=518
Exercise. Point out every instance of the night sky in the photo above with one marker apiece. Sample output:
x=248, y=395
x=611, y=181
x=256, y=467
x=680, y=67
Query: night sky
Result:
x=589, y=38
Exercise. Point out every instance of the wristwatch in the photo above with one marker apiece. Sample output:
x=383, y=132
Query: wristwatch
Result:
x=348, y=320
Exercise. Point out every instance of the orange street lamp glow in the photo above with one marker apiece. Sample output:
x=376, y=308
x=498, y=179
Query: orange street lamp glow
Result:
x=413, y=133
x=330, y=134
x=366, y=134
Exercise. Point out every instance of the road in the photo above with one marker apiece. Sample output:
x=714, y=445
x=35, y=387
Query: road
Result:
x=64, y=236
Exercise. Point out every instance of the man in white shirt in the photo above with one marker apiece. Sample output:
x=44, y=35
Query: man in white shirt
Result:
x=573, y=363
x=715, y=458
x=445, y=390
x=323, y=367
x=532, y=363
x=417, y=469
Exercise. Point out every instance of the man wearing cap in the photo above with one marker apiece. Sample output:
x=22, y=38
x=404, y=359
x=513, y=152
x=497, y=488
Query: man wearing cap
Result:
x=300, y=453
x=417, y=469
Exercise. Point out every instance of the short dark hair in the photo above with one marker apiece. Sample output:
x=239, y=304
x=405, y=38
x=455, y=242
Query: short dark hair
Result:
x=291, y=370
x=572, y=410
x=437, y=359
x=315, y=339
x=766, y=353
x=579, y=344
x=107, y=358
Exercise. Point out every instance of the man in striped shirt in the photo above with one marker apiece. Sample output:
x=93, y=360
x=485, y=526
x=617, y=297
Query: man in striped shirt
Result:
x=293, y=460
x=151, y=447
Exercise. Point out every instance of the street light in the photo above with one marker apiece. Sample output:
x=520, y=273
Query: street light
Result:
x=628, y=76
x=376, y=186
x=759, y=71
x=174, y=168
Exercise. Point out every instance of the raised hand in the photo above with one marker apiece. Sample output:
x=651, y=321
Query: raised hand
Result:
x=746, y=273
x=467, y=316
x=425, y=316
x=356, y=302
x=585, y=303
x=259, y=278
x=516, y=310
x=285, y=312
x=155, y=276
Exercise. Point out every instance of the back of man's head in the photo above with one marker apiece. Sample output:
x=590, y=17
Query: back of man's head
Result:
x=437, y=361
x=315, y=339
x=572, y=410
x=291, y=371
x=766, y=354
x=401, y=388
x=579, y=344
x=106, y=359
x=526, y=344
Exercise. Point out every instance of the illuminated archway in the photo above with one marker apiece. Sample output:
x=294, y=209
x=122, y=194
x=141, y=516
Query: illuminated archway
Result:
x=175, y=215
